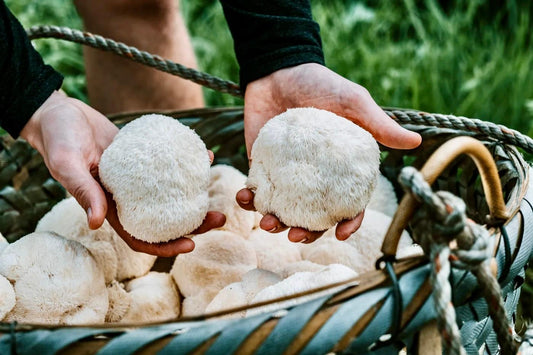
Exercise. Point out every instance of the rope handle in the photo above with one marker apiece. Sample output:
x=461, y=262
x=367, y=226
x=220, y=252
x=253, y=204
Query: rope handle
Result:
x=434, y=166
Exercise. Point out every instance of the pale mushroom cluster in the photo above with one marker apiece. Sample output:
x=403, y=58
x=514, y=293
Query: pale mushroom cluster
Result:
x=65, y=273
x=312, y=168
x=157, y=170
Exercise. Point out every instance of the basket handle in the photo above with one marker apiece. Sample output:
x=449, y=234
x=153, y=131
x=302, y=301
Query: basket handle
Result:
x=434, y=166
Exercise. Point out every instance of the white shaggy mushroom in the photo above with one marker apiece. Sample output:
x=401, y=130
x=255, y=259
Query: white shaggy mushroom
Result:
x=302, y=282
x=3, y=243
x=312, y=168
x=383, y=198
x=219, y=258
x=241, y=293
x=224, y=183
x=158, y=171
x=56, y=281
x=194, y=305
x=117, y=259
x=360, y=251
x=154, y=298
x=7, y=297
x=328, y=250
x=274, y=251
x=119, y=302
x=300, y=266
x=231, y=296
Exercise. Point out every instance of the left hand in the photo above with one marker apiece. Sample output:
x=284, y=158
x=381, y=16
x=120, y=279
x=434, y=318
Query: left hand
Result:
x=315, y=85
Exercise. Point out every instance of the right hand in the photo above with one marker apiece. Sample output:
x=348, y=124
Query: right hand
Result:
x=71, y=137
x=314, y=85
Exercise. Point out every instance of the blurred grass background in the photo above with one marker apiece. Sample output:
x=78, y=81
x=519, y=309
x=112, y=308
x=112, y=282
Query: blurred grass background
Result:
x=469, y=58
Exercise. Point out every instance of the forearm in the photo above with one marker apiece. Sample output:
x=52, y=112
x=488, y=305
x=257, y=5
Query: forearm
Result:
x=26, y=82
x=272, y=35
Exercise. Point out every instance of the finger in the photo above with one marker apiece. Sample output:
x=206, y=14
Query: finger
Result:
x=211, y=156
x=245, y=199
x=167, y=249
x=272, y=224
x=367, y=114
x=349, y=226
x=301, y=235
x=212, y=220
x=88, y=192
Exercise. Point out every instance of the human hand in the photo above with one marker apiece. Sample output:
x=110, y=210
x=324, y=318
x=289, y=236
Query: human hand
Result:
x=272, y=224
x=314, y=85
x=71, y=137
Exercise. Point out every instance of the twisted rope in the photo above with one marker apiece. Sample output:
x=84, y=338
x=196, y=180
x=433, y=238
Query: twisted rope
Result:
x=441, y=221
x=136, y=55
x=476, y=126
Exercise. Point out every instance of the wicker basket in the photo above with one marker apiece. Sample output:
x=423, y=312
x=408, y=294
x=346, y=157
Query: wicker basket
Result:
x=352, y=320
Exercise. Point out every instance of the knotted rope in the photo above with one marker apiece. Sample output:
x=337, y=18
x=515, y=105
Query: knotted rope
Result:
x=441, y=221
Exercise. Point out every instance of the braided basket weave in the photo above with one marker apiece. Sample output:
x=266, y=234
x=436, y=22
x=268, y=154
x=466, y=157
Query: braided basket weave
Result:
x=350, y=320
x=380, y=311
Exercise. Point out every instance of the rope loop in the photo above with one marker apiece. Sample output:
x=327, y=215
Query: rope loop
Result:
x=444, y=214
x=444, y=232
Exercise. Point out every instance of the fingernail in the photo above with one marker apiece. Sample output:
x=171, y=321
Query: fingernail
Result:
x=303, y=240
x=245, y=201
x=273, y=230
x=89, y=215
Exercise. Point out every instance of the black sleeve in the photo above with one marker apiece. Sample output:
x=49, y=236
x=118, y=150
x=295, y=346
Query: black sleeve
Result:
x=25, y=81
x=271, y=35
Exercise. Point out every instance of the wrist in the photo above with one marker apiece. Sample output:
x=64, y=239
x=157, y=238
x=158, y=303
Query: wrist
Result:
x=32, y=128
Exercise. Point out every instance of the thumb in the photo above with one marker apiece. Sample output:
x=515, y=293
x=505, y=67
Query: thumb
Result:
x=89, y=194
x=385, y=130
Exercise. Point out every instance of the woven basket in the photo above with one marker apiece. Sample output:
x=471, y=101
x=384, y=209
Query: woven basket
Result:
x=352, y=320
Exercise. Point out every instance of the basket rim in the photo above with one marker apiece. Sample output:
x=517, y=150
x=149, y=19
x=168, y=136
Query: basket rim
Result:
x=518, y=195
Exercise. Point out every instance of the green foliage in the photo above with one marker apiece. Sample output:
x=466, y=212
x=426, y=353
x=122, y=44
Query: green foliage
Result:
x=466, y=58
x=65, y=57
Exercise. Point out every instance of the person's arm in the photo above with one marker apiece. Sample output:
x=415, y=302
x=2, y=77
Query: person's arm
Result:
x=279, y=51
x=69, y=134
x=26, y=82
x=272, y=35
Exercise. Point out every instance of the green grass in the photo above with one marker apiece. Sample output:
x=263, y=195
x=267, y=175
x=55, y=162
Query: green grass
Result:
x=469, y=58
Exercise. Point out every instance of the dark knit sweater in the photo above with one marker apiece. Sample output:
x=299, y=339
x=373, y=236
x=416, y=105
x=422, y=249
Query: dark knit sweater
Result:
x=272, y=34
x=25, y=81
x=268, y=36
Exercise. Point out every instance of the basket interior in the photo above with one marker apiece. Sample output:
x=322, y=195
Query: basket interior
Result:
x=27, y=191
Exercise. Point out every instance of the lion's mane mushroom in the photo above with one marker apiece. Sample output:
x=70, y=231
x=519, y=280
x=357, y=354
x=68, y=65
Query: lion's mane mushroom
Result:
x=115, y=257
x=119, y=302
x=7, y=297
x=383, y=198
x=360, y=250
x=241, y=293
x=301, y=282
x=312, y=168
x=300, y=266
x=219, y=258
x=3, y=243
x=56, y=281
x=158, y=171
x=224, y=183
x=274, y=251
x=154, y=298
